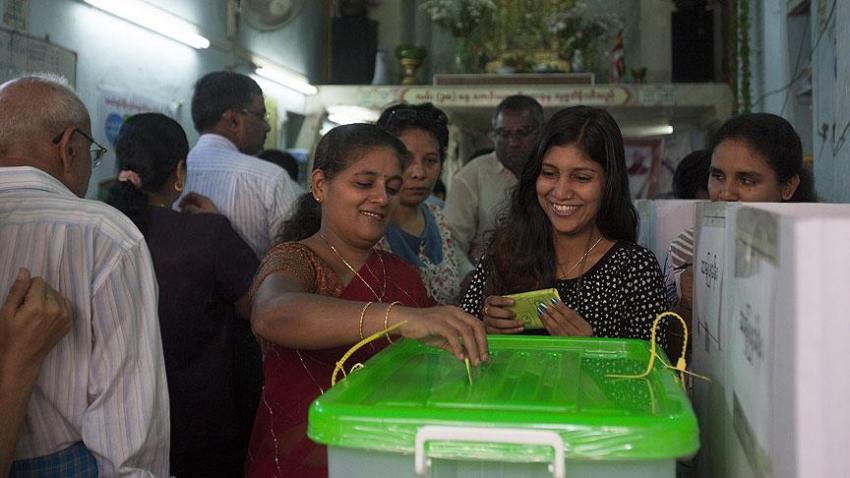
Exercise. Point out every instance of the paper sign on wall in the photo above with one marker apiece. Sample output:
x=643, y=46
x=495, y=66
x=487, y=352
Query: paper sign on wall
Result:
x=117, y=105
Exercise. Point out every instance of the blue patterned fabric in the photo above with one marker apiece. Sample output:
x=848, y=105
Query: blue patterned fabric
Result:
x=407, y=246
x=76, y=461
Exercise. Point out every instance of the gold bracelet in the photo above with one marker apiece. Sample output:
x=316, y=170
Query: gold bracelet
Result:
x=387, y=319
x=362, y=316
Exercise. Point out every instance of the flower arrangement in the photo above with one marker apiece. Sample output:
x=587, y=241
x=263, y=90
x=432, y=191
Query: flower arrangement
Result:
x=460, y=17
x=541, y=35
x=572, y=29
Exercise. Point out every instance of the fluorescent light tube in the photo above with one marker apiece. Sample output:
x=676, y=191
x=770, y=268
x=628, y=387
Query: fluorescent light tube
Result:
x=155, y=19
x=641, y=131
x=345, y=114
x=289, y=80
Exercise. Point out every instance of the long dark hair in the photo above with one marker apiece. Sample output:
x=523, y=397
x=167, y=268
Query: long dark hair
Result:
x=773, y=138
x=522, y=254
x=151, y=145
x=336, y=151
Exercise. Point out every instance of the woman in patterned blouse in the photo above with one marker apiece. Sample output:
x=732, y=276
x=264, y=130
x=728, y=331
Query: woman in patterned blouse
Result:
x=572, y=226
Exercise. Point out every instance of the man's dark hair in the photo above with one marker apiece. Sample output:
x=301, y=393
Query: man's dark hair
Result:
x=218, y=92
x=282, y=159
x=521, y=104
x=692, y=174
x=439, y=187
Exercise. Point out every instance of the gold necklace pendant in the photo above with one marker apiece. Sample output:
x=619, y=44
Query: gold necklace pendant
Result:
x=380, y=297
x=383, y=271
x=582, y=258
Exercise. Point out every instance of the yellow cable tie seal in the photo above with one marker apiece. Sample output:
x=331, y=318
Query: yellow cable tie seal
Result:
x=340, y=365
x=681, y=364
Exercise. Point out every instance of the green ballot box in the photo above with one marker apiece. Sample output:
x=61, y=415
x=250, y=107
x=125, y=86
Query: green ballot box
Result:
x=543, y=406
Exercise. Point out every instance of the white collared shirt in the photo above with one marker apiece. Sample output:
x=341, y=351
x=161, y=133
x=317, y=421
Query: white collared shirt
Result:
x=478, y=197
x=254, y=194
x=104, y=383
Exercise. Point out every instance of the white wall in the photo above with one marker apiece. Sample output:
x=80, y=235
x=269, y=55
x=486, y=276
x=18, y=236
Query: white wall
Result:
x=656, y=33
x=831, y=86
x=778, y=53
x=114, y=53
x=823, y=124
x=770, y=55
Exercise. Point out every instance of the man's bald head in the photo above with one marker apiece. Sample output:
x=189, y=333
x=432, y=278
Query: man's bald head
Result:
x=34, y=110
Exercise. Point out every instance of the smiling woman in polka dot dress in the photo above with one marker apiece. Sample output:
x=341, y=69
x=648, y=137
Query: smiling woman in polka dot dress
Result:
x=572, y=226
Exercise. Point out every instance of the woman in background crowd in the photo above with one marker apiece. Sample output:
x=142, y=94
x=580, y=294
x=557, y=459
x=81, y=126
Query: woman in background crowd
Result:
x=755, y=157
x=418, y=232
x=204, y=270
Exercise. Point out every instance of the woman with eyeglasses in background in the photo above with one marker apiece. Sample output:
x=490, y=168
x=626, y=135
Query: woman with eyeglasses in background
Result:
x=418, y=231
x=204, y=270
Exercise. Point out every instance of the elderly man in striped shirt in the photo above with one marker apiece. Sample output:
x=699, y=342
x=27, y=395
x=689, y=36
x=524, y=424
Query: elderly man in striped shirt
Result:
x=229, y=112
x=100, y=403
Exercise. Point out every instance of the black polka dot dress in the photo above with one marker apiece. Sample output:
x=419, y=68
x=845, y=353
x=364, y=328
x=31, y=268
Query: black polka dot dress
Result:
x=619, y=296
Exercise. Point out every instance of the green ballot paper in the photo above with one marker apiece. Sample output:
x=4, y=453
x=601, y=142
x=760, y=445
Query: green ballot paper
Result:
x=526, y=303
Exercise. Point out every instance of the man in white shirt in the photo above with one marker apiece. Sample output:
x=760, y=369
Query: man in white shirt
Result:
x=100, y=403
x=229, y=112
x=480, y=191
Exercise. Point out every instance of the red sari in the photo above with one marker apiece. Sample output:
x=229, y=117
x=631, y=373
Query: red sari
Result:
x=293, y=379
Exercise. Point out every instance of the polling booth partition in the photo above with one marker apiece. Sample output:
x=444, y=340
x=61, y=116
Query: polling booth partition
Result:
x=661, y=221
x=769, y=330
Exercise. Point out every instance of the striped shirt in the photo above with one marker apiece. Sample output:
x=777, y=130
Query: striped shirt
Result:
x=680, y=255
x=104, y=383
x=255, y=195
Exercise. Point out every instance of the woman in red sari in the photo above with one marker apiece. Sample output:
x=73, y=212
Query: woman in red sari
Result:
x=324, y=287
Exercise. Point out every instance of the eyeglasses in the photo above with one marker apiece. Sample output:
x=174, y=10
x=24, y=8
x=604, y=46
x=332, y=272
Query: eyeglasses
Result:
x=521, y=133
x=413, y=114
x=97, y=151
x=262, y=115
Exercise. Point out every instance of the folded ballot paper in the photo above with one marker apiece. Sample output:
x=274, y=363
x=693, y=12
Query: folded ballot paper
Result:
x=526, y=304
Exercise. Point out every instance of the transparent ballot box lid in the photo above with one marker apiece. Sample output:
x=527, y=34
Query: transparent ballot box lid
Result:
x=531, y=383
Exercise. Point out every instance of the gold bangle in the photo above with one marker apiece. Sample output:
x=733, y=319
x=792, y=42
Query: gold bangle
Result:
x=387, y=319
x=362, y=316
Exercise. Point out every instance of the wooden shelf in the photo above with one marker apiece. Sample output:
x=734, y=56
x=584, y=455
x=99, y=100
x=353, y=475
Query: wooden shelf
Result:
x=695, y=105
x=514, y=79
x=634, y=104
